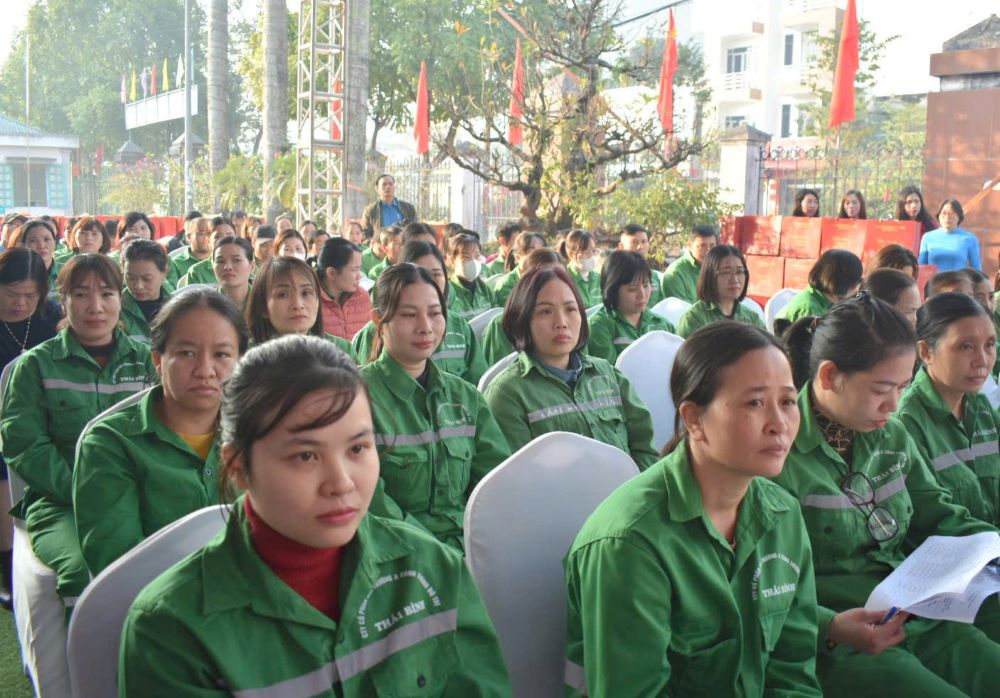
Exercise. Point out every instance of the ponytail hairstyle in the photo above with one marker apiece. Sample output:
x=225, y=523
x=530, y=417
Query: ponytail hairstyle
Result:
x=575, y=242
x=836, y=273
x=856, y=335
x=696, y=375
x=389, y=290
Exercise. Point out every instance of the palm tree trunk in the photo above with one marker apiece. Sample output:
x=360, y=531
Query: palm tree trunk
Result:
x=275, y=95
x=218, y=107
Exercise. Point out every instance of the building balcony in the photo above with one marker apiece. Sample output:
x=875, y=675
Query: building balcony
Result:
x=822, y=15
x=739, y=87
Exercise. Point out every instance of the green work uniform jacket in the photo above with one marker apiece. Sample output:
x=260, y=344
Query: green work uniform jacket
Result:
x=221, y=623
x=181, y=264
x=54, y=390
x=379, y=267
x=529, y=401
x=963, y=453
x=466, y=304
x=680, y=279
x=611, y=333
x=458, y=353
x=135, y=323
x=504, y=286
x=656, y=288
x=996, y=327
x=368, y=260
x=495, y=342
x=808, y=303
x=702, y=313
x=849, y=562
x=589, y=288
x=202, y=272
x=496, y=266
x=134, y=476
x=435, y=443
x=660, y=604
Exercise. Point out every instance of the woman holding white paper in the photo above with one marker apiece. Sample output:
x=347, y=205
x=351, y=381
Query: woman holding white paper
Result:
x=868, y=497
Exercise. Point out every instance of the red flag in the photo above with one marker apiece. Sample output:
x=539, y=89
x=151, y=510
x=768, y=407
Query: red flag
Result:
x=337, y=111
x=153, y=80
x=421, y=127
x=842, y=104
x=76, y=162
x=665, y=102
x=99, y=158
x=515, y=133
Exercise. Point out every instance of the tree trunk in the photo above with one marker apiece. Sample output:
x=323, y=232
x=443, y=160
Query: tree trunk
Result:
x=218, y=70
x=275, y=96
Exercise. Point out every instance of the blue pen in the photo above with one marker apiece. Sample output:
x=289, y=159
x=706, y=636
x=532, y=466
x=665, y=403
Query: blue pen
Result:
x=889, y=615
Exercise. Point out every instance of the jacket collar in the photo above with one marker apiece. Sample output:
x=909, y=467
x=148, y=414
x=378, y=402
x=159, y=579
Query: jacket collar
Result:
x=66, y=345
x=400, y=383
x=147, y=421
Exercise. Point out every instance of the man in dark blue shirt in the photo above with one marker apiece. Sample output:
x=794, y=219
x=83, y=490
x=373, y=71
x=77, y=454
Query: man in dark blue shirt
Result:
x=388, y=210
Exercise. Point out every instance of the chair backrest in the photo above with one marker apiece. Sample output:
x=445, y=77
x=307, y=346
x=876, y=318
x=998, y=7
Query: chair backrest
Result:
x=494, y=370
x=179, y=251
x=479, y=323
x=992, y=391
x=117, y=407
x=647, y=362
x=776, y=304
x=366, y=283
x=191, y=287
x=754, y=306
x=14, y=481
x=671, y=309
x=520, y=522
x=96, y=626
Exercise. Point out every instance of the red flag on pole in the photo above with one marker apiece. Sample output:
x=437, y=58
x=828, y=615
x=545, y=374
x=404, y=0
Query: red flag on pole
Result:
x=515, y=132
x=421, y=127
x=76, y=162
x=665, y=102
x=337, y=111
x=98, y=158
x=842, y=104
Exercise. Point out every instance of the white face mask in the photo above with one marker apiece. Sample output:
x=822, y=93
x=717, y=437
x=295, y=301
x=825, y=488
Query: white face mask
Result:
x=299, y=255
x=471, y=269
x=587, y=265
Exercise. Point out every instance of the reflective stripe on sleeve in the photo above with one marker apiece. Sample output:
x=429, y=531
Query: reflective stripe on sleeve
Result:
x=358, y=661
x=622, y=341
x=61, y=384
x=961, y=455
x=569, y=408
x=448, y=354
x=424, y=437
x=575, y=677
x=840, y=501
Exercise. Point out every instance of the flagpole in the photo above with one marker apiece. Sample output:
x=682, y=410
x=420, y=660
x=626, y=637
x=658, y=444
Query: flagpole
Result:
x=27, y=114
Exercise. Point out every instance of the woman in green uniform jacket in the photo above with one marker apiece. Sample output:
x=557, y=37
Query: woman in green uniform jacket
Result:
x=151, y=463
x=695, y=578
x=87, y=236
x=868, y=498
x=146, y=289
x=951, y=422
x=39, y=236
x=835, y=276
x=553, y=385
x=436, y=438
x=459, y=352
x=495, y=342
x=722, y=287
x=525, y=245
x=285, y=300
x=626, y=286
x=232, y=261
x=468, y=294
x=305, y=592
x=580, y=251
x=54, y=390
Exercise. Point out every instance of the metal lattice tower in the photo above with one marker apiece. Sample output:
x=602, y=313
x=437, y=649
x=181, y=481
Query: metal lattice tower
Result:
x=320, y=152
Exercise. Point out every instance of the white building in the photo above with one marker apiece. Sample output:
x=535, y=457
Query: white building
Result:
x=35, y=169
x=757, y=55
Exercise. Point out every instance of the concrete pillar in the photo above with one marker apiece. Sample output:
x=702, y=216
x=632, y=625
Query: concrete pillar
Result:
x=356, y=193
x=741, y=178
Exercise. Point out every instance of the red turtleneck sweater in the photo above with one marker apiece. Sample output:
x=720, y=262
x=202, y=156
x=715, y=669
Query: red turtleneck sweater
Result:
x=314, y=573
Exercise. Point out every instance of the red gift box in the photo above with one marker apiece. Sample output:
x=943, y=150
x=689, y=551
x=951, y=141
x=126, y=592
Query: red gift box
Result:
x=767, y=275
x=797, y=273
x=800, y=237
x=760, y=235
x=882, y=233
x=924, y=274
x=844, y=234
x=729, y=231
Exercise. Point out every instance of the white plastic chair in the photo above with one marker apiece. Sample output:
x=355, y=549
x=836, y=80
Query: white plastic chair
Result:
x=593, y=309
x=648, y=362
x=494, y=370
x=992, y=391
x=366, y=283
x=671, y=309
x=776, y=304
x=520, y=522
x=96, y=627
x=179, y=251
x=479, y=323
x=39, y=611
x=117, y=407
x=754, y=306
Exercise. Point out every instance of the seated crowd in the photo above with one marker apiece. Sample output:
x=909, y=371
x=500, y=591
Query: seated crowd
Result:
x=344, y=394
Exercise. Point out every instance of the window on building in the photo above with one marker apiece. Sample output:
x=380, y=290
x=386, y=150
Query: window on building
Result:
x=789, y=49
x=786, y=120
x=30, y=182
x=738, y=59
x=734, y=121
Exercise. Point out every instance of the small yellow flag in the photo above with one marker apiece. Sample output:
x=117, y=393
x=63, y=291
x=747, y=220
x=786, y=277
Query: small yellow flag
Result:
x=166, y=76
x=132, y=95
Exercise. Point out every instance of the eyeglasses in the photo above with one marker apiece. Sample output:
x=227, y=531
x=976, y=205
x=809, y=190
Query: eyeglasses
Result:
x=882, y=525
x=732, y=273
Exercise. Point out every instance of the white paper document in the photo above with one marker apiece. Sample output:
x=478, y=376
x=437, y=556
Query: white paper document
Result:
x=946, y=578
